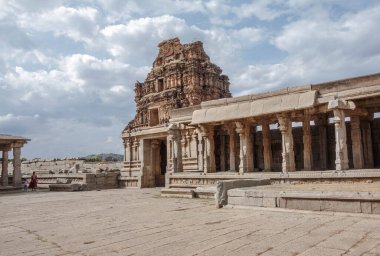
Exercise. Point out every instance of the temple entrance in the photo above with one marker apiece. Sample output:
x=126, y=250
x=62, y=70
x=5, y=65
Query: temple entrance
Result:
x=160, y=175
x=158, y=162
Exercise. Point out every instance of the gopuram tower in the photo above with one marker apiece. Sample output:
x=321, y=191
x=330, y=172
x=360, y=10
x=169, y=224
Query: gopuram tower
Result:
x=181, y=78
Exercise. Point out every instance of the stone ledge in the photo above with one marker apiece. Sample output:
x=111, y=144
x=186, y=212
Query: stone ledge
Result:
x=177, y=192
x=338, y=201
x=205, y=192
x=65, y=187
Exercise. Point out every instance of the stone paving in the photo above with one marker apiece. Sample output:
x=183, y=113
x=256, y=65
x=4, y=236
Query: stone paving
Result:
x=140, y=222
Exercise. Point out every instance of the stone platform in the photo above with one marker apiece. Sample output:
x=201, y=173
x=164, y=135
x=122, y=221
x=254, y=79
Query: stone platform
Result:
x=191, y=181
x=355, y=197
x=140, y=222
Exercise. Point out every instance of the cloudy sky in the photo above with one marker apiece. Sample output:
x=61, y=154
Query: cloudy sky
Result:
x=67, y=68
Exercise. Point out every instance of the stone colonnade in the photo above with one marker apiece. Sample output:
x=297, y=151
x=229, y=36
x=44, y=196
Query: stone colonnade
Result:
x=242, y=161
x=5, y=147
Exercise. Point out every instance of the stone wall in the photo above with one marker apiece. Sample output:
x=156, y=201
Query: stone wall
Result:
x=64, y=166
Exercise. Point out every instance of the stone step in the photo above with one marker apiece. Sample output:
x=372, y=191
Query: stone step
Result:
x=335, y=201
x=205, y=192
x=178, y=192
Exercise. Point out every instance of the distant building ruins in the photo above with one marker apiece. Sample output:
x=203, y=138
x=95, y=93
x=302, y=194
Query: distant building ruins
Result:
x=14, y=143
x=188, y=131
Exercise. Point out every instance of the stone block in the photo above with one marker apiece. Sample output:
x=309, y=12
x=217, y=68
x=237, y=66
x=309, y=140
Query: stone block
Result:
x=177, y=192
x=223, y=188
x=269, y=202
x=340, y=206
x=65, y=187
x=375, y=207
x=366, y=207
x=302, y=204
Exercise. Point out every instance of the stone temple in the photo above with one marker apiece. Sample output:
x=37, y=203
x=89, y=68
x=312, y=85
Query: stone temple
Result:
x=188, y=130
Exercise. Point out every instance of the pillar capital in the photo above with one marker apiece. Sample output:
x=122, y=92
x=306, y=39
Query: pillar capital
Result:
x=341, y=104
x=283, y=121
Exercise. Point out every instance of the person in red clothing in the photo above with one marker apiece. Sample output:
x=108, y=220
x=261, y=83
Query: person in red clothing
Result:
x=33, y=182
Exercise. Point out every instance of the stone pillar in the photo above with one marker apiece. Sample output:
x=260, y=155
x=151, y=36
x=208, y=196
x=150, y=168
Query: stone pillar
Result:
x=232, y=148
x=321, y=121
x=127, y=150
x=4, y=171
x=267, y=149
x=169, y=152
x=222, y=152
x=338, y=106
x=249, y=154
x=240, y=129
x=183, y=145
x=17, y=180
x=367, y=144
x=193, y=145
x=357, y=146
x=200, y=152
x=288, y=162
x=341, y=159
x=188, y=144
x=307, y=149
x=209, y=148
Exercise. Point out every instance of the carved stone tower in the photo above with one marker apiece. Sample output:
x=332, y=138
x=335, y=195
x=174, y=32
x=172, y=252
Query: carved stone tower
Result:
x=182, y=76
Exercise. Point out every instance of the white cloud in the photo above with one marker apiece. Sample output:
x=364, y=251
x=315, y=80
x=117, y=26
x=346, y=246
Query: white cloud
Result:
x=68, y=67
x=78, y=24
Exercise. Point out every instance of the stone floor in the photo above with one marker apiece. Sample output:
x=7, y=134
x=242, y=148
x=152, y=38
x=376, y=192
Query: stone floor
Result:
x=140, y=222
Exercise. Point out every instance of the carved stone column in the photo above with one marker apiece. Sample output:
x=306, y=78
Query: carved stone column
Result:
x=200, y=151
x=321, y=121
x=267, y=150
x=17, y=180
x=176, y=148
x=193, y=145
x=183, y=145
x=231, y=130
x=222, y=152
x=341, y=160
x=307, y=149
x=169, y=152
x=357, y=146
x=209, y=147
x=240, y=129
x=288, y=163
x=4, y=171
x=249, y=145
x=338, y=106
x=367, y=144
x=188, y=144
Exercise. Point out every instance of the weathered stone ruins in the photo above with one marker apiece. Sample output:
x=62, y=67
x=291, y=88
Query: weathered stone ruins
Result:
x=14, y=143
x=189, y=131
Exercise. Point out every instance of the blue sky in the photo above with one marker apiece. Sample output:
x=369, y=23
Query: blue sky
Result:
x=67, y=68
